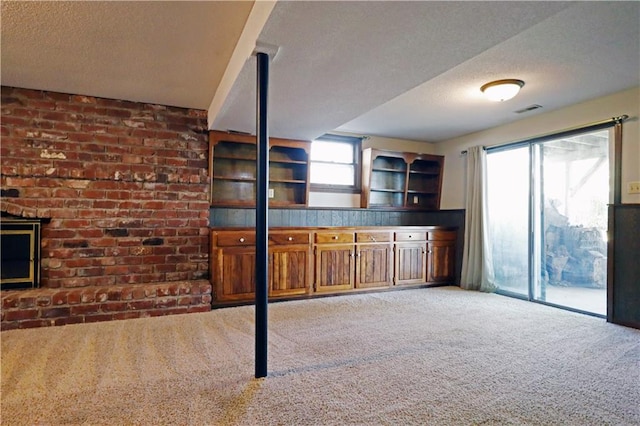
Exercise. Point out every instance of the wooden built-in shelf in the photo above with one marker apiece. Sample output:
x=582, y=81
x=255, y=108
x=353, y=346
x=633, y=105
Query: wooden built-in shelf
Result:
x=401, y=180
x=232, y=165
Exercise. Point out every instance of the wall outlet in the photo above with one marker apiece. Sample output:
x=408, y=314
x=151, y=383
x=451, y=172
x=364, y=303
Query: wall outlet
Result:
x=415, y=199
x=633, y=187
x=271, y=193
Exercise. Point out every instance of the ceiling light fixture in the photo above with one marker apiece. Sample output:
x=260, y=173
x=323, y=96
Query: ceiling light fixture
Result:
x=502, y=90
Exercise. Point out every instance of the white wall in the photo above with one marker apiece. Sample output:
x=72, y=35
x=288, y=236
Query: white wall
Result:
x=625, y=102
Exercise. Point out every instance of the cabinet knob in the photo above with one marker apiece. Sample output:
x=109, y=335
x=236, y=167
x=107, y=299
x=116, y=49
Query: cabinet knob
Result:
x=373, y=238
x=290, y=239
x=241, y=239
x=335, y=237
x=410, y=236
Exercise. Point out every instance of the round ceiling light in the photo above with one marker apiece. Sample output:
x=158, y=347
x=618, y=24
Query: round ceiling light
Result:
x=502, y=90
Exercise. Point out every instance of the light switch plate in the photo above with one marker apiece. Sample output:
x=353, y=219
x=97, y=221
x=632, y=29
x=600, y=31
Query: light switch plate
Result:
x=271, y=193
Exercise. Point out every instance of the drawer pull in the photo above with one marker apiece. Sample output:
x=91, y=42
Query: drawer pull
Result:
x=290, y=239
x=241, y=239
x=335, y=237
x=410, y=236
x=373, y=238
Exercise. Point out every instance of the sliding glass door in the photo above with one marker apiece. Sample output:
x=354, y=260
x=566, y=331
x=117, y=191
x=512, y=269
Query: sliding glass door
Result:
x=508, y=197
x=548, y=220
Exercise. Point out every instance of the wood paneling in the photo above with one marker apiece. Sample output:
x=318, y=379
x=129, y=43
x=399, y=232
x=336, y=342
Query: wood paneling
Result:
x=623, y=282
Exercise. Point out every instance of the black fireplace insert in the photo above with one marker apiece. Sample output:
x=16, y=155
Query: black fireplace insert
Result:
x=20, y=253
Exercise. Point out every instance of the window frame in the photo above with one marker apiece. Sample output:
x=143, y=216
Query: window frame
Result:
x=356, y=143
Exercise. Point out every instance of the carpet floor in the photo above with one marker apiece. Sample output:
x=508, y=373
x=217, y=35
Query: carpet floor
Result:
x=437, y=356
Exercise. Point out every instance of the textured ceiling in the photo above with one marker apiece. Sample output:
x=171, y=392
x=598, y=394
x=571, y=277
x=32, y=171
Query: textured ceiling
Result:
x=170, y=53
x=585, y=51
x=397, y=69
x=413, y=70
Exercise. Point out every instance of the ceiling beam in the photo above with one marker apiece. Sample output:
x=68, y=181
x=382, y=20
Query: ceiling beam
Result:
x=245, y=47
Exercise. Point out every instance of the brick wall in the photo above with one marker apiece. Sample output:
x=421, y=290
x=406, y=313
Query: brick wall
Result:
x=125, y=187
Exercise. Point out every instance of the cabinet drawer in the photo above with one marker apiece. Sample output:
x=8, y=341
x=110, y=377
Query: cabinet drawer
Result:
x=442, y=235
x=289, y=238
x=334, y=237
x=373, y=237
x=411, y=236
x=237, y=239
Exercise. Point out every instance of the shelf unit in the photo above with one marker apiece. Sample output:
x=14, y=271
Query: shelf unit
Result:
x=392, y=179
x=232, y=167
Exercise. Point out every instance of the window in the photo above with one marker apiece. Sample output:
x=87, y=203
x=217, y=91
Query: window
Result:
x=335, y=164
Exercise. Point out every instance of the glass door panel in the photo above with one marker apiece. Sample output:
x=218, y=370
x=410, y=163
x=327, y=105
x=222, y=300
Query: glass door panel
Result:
x=573, y=189
x=508, y=180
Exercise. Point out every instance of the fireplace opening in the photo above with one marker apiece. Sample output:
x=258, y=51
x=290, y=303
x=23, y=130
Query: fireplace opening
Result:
x=19, y=253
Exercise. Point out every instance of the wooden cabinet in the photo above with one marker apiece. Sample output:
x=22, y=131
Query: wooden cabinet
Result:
x=232, y=168
x=233, y=264
x=289, y=263
x=425, y=256
x=306, y=261
x=374, y=259
x=334, y=259
x=345, y=263
x=410, y=256
x=441, y=249
x=401, y=179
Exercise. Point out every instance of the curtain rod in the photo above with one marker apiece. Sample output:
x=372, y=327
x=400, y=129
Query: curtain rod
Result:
x=612, y=120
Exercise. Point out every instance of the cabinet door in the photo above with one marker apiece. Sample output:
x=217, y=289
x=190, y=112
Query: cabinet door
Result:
x=335, y=269
x=374, y=265
x=289, y=270
x=234, y=273
x=410, y=263
x=441, y=261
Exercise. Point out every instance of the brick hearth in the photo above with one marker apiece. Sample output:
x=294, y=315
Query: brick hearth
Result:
x=124, y=187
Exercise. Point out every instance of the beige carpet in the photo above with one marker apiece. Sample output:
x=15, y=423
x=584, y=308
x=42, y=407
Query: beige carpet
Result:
x=439, y=356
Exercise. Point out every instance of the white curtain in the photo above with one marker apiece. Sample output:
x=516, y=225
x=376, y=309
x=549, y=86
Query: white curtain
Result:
x=477, y=266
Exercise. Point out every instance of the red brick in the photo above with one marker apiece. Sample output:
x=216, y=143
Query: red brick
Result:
x=59, y=298
x=9, y=325
x=43, y=301
x=184, y=300
x=55, y=312
x=74, y=297
x=113, y=306
x=114, y=294
x=141, y=304
x=91, y=308
x=139, y=293
x=68, y=320
x=35, y=323
x=98, y=318
x=10, y=301
x=126, y=315
x=21, y=314
x=201, y=308
x=27, y=302
x=166, y=302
